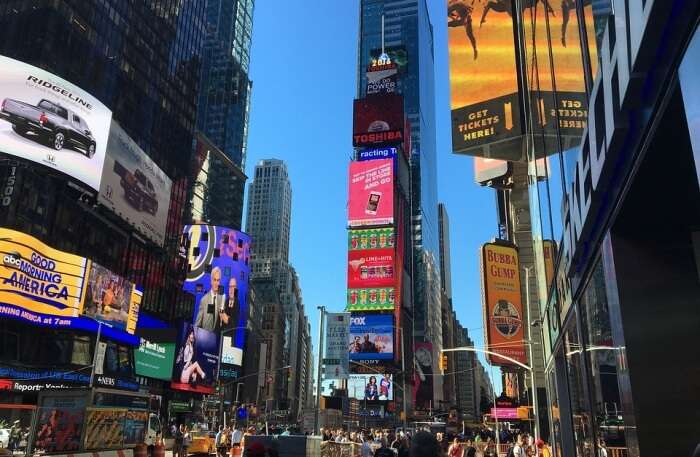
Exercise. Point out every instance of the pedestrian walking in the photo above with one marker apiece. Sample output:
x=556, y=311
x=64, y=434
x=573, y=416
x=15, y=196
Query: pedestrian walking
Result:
x=177, y=444
x=543, y=448
x=455, y=449
x=186, y=441
x=236, y=437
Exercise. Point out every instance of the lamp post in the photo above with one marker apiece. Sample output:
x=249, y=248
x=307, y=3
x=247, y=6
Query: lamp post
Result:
x=322, y=312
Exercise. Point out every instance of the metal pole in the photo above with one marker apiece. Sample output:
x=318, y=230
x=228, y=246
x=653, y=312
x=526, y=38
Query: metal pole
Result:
x=495, y=413
x=322, y=313
x=94, y=354
x=533, y=392
x=403, y=378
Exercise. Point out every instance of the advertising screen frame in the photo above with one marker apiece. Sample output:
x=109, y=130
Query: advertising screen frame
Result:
x=196, y=366
x=503, y=307
x=376, y=331
x=371, y=193
x=134, y=187
x=378, y=120
x=365, y=380
x=30, y=129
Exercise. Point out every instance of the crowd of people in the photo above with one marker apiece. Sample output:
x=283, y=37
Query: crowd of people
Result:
x=481, y=443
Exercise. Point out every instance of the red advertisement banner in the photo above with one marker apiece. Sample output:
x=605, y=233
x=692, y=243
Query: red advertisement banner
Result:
x=371, y=268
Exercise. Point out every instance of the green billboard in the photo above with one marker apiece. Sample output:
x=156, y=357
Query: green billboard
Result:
x=155, y=360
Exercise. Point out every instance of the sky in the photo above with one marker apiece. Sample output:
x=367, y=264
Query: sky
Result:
x=303, y=68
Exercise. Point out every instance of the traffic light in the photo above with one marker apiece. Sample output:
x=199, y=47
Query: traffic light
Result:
x=443, y=363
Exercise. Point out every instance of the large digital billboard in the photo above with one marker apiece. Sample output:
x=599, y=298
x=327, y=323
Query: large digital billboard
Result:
x=217, y=275
x=196, y=360
x=375, y=299
x=111, y=299
x=371, y=193
x=371, y=387
x=50, y=121
x=378, y=121
x=483, y=77
x=134, y=187
x=503, y=308
x=154, y=359
x=371, y=337
x=379, y=238
x=371, y=268
x=423, y=375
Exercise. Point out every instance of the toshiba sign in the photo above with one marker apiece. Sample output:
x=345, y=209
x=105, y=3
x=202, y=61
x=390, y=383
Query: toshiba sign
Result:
x=378, y=121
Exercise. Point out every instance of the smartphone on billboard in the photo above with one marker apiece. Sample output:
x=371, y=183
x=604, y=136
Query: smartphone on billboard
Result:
x=373, y=202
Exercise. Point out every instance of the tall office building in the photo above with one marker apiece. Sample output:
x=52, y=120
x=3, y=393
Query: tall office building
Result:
x=141, y=60
x=408, y=35
x=224, y=99
x=268, y=221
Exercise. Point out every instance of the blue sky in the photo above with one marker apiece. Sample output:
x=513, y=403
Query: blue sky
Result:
x=303, y=67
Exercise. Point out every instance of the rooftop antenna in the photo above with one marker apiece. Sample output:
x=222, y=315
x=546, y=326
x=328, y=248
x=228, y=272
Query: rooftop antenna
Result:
x=383, y=59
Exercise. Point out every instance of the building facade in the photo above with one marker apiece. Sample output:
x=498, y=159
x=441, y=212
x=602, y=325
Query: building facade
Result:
x=224, y=99
x=111, y=50
x=408, y=34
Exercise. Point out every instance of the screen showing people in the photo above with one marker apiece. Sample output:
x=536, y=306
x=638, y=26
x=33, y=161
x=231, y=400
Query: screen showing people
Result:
x=196, y=359
x=218, y=270
x=371, y=337
x=371, y=387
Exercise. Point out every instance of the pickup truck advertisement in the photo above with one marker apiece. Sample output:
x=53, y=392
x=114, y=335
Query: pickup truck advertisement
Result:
x=50, y=121
x=134, y=187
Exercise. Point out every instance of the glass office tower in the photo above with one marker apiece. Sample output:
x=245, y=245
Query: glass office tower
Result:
x=407, y=27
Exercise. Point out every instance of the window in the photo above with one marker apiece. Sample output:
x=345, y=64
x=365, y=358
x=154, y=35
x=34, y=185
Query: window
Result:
x=581, y=414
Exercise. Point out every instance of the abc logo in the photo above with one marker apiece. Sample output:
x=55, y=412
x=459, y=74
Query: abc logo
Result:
x=358, y=321
x=12, y=259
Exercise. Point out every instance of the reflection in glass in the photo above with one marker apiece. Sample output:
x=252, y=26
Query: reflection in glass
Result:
x=581, y=414
x=555, y=415
x=603, y=357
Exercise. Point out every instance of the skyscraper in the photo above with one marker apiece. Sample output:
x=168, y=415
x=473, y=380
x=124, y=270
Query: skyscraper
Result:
x=408, y=36
x=224, y=100
x=268, y=221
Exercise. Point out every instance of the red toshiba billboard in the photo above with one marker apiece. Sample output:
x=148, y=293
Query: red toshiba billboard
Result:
x=371, y=268
x=378, y=120
x=371, y=193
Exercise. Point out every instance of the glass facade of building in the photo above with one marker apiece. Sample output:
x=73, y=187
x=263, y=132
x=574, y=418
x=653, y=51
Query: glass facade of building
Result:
x=608, y=305
x=224, y=100
x=407, y=26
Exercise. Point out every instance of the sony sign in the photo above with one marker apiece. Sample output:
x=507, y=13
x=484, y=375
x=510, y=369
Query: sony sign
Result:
x=615, y=93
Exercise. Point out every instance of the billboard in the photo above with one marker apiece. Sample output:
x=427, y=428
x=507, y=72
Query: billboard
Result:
x=379, y=238
x=218, y=271
x=335, y=359
x=155, y=359
x=230, y=354
x=382, y=76
x=111, y=299
x=423, y=375
x=397, y=55
x=48, y=120
x=503, y=309
x=371, y=387
x=483, y=79
x=197, y=359
x=60, y=422
x=371, y=337
x=378, y=121
x=48, y=287
x=134, y=187
x=371, y=193
x=377, y=153
x=371, y=268
x=375, y=299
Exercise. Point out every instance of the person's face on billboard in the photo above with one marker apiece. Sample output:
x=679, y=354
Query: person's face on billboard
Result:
x=215, y=280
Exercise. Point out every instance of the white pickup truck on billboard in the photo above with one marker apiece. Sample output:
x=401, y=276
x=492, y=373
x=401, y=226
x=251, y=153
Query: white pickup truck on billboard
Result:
x=48, y=120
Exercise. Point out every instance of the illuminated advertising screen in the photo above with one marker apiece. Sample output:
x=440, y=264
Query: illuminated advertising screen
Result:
x=423, y=375
x=483, y=79
x=377, y=153
x=371, y=387
x=375, y=299
x=52, y=288
x=371, y=193
x=397, y=55
x=196, y=359
x=380, y=238
x=154, y=359
x=217, y=275
x=371, y=337
x=378, y=121
x=111, y=299
x=134, y=187
x=48, y=120
x=503, y=308
x=371, y=268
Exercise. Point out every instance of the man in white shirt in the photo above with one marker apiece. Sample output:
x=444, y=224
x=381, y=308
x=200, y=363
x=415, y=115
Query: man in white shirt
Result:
x=236, y=437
